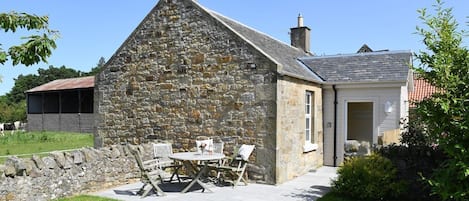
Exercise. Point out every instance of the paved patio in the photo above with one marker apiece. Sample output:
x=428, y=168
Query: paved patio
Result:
x=309, y=187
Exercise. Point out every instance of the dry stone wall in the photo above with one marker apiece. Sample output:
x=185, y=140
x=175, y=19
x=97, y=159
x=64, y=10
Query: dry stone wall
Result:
x=183, y=74
x=63, y=174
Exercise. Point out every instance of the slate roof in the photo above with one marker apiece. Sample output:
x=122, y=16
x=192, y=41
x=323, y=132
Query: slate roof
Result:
x=388, y=66
x=362, y=67
x=286, y=55
x=65, y=84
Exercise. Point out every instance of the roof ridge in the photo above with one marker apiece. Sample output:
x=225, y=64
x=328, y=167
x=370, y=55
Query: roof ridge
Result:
x=76, y=77
x=255, y=30
x=357, y=54
x=214, y=15
x=286, y=62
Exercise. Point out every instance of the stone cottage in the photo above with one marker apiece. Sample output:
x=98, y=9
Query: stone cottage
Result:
x=187, y=71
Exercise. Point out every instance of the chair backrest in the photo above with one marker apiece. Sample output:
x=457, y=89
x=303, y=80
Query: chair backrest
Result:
x=206, y=145
x=245, y=151
x=138, y=158
x=162, y=150
x=218, y=147
x=148, y=169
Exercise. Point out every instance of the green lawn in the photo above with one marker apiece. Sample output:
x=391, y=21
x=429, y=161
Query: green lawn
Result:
x=24, y=144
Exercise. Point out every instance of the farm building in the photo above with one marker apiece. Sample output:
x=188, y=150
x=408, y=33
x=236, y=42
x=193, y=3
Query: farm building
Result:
x=62, y=105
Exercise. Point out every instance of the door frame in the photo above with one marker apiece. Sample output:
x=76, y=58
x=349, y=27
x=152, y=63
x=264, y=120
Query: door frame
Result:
x=345, y=117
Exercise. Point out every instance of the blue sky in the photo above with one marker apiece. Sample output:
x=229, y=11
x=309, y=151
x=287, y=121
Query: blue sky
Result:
x=91, y=29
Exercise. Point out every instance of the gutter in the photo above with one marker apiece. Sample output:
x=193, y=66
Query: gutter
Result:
x=335, y=125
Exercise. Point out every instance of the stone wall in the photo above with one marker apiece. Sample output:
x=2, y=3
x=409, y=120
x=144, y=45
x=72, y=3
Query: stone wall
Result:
x=293, y=160
x=183, y=74
x=64, y=174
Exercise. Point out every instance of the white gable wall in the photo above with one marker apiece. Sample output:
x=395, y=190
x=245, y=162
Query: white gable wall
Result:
x=379, y=94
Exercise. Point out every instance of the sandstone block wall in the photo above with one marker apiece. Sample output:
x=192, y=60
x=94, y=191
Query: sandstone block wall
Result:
x=183, y=74
x=65, y=174
x=293, y=160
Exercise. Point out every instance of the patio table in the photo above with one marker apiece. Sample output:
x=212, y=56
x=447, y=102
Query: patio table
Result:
x=195, y=156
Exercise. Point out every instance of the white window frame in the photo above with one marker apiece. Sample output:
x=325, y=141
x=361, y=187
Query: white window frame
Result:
x=310, y=122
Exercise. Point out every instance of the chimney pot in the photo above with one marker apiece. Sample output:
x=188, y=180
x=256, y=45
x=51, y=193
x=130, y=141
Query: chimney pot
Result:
x=300, y=20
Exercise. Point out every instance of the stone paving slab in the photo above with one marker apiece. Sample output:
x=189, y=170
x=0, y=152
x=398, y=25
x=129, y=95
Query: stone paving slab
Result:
x=308, y=187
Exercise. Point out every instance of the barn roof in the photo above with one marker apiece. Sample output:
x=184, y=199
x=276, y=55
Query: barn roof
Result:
x=65, y=84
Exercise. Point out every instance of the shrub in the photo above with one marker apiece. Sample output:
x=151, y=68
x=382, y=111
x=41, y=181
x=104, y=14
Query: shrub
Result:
x=415, y=158
x=414, y=163
x=414, y=134
x=368, y=178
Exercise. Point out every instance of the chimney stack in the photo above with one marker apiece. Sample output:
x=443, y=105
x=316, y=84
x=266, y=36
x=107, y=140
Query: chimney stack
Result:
x=300, y=36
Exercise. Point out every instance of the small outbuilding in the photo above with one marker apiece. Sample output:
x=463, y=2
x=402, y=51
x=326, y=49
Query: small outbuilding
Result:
x=62, y=105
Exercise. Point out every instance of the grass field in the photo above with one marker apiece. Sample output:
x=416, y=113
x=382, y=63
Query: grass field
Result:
x=24, y=144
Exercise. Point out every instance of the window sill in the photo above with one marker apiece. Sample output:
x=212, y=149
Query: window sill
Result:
x=308, y=147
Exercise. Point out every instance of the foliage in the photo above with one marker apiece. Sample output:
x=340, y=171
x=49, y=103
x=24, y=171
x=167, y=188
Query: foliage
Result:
x=445, y=64
x=37, y=47
x=95, y=70
x=368, y=178
x=22, y=83
x=12, y=112
x=413, y=163
x=21, y=143
x=415, y=158
x=333, y=196
x=414, y=134
x=86, y=198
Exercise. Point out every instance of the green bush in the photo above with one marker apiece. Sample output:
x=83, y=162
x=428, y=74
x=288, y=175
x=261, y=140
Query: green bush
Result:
x=368, y=178
x=415, y=158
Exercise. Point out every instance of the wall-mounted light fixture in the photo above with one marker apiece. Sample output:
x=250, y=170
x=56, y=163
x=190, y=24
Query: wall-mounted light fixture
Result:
x=252, y=65
x=388, y=107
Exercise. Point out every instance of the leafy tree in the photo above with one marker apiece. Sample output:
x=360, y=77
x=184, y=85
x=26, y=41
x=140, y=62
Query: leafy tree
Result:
x=445, y=64
x=38, y=47
x=95, y=70
x=26, y=82
x=22, y=83
x=54, y=73
x=11, y=112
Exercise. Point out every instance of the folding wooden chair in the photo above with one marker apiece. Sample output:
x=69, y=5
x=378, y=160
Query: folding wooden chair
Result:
x=151, y=174
x=235, y=168
x=162, y=151
x=217, y=147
